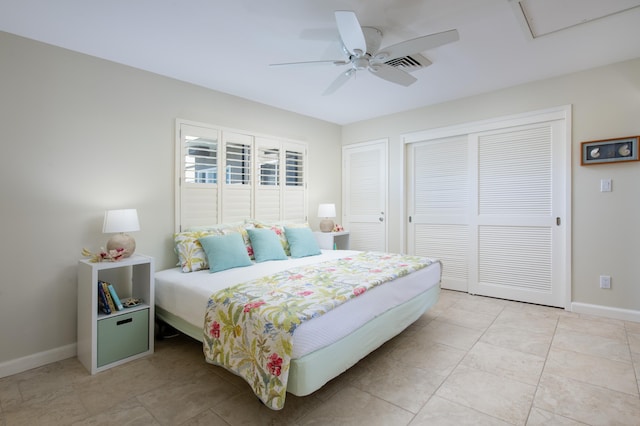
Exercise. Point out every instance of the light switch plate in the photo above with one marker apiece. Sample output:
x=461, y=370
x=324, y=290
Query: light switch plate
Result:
x=605, y=185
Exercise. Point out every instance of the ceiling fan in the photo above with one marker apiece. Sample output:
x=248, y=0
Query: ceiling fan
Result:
x=362, y=46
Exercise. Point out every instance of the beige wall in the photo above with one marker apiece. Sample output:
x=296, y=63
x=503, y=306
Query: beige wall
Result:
x=606, y=226
x=80, y=135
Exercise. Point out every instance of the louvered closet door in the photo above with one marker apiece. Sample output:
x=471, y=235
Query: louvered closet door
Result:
x=518, y=214
x=491, y=207
x=439, y=201
x=364, y=192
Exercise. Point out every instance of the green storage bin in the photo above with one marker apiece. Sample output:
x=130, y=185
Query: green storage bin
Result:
x=122, y=336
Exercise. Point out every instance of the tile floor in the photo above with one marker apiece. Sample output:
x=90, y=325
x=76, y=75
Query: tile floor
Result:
x=468, y=361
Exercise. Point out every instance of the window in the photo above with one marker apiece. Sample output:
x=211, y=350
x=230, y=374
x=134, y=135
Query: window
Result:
x=227, y=176
x=238, y=164
x=269, y=166
x=200, y=160
x=295, y=168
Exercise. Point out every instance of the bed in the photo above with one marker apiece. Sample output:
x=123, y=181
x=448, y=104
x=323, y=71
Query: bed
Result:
x=322, y=347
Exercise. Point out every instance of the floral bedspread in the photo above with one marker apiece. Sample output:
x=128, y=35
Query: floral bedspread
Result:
x=248, y=328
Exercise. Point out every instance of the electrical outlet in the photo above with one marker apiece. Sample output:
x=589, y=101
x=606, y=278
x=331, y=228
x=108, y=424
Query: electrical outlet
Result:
x=605, y=281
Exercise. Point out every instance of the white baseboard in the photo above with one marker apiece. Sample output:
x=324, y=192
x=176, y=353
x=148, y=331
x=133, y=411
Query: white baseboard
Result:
x=606, y=311
x=28, y=362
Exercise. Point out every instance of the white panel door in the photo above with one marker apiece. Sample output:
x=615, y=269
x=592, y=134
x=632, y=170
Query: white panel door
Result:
x=364, y=204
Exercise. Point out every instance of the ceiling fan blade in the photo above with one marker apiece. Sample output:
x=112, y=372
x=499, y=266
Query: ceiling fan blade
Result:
x=338, y=82
x=392, y=74
x=329, y=62
x=351, y=31
x=416, y=45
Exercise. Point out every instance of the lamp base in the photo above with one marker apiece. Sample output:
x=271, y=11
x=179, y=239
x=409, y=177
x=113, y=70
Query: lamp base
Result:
x=326, y=225
x=124, y=241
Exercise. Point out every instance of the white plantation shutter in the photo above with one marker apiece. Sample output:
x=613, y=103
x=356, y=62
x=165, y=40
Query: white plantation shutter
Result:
x=294, y=190
x=198, y=166
x=229, y=176
x=281, y=181
x=268, y=180
x=238, y=184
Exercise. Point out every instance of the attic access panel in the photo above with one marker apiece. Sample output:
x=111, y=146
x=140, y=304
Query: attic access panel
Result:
x=542, y=17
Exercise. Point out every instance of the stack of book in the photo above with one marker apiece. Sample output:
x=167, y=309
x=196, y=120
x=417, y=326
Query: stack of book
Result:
x=108, y=299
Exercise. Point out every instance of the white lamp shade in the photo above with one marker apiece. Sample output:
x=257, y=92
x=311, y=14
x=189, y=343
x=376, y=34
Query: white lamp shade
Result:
x=125, y=220
x=327, y=210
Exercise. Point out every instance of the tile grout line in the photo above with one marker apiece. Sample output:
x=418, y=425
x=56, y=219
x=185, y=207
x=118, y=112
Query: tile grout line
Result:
x=459, y=362
x=633, y=366
x=544, y=365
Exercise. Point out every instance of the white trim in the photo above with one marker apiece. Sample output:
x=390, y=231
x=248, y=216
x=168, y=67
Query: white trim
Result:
x=568, y=212
x=562, y=112
x=606, y=311
x=18, y=365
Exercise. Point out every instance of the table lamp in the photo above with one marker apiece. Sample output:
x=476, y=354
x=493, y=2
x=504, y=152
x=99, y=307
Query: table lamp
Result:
x=120, y=222
x=327, y=211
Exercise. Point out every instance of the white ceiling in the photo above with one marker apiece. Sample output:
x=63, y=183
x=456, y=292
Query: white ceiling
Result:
x=228, y=45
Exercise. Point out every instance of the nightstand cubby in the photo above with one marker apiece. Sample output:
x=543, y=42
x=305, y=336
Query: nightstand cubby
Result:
x=107, y=340
x=333, y=240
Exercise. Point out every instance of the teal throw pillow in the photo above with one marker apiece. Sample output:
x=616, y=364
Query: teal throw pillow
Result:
x=302, y=242
x=266, y=245
x=225, y=251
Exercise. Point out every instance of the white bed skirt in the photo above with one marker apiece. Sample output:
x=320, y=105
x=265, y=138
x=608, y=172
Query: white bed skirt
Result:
x=323, y=347
x=314, y=370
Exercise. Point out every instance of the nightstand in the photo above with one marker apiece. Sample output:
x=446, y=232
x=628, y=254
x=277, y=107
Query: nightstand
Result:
x=333, y=240
x=105, y=341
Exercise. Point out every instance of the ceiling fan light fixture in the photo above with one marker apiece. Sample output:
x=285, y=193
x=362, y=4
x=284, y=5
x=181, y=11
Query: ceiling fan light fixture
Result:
x=360, y=63
x=381, y=56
